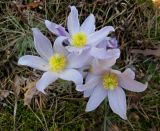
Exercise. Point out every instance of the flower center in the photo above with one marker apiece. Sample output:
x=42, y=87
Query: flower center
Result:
x=79, y=39
x=110, y=81
x=57, y=62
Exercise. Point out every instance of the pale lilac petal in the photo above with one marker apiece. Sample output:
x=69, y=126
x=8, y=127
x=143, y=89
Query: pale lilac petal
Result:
x=129, y=73
x=101, y=66
x=72, y=75
x=56, y=29
x=73, y=21
x=73, y=49
x=99, y=53
x=106, y=64
x=108, y=43
x=117, y=72
x=87, y=93
x=34, y=62
x=102, y=53
x=98, y=36
x=117, y=102
x=88, y=26
x=84, y=70
x=46, y=79
x=96, y=67
x=103, y=43
x=132, y=85
x=58, y=45
x=42, y=44
x=89, y=77
x=112, y=54
x=77, y=61
x=92, y=82
x=96, y=98
x=112, y=43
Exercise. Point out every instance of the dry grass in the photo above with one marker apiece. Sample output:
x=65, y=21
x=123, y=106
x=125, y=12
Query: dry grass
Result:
x=137, y=25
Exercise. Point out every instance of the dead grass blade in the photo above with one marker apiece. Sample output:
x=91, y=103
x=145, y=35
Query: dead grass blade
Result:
x=17, y=85
x=31, y=91
x=4, y=93
x=147, y=52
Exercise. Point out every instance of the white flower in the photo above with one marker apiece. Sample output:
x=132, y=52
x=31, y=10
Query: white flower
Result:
x=80, y=37
x=56, y=61
x=106, y=82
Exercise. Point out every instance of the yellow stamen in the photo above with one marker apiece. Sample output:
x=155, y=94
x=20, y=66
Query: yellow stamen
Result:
x=79, y=39
x=57, y=62
x=110, y=81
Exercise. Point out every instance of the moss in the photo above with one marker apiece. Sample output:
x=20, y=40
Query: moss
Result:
x=6, y=121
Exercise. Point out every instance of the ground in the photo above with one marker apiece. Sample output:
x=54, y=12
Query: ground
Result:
x=137, y=24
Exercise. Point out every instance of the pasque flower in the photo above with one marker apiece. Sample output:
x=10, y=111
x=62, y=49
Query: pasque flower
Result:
x=84, y=48
x=80, y=37
x=105, y=82
x=56, y=61
x=105, y=53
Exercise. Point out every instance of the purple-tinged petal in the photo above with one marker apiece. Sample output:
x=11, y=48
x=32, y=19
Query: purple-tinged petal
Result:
x=42, y=44
x=96, y=98
x=96, y=67
x=117, y=72
x=46, y=79
x=106, y=64
x=108, y=43
x=98, y=36
x=129, y=73
x=117, y=102
x=58, y=45
x=56, y=29
x=132, y=85
x=84, y=70
x=73, y=49
x=101, y=66
x=73, y=21
x=101, y=53
x=88, y=26
x=89, y=77
x=72, y=75
x=112, y=43
x=102, y=44
x=79, y=60
x=93, y=81
x=87, y=93
x=34, y=62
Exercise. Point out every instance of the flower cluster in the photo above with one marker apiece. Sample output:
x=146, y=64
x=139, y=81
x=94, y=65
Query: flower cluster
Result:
x=81, y=48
